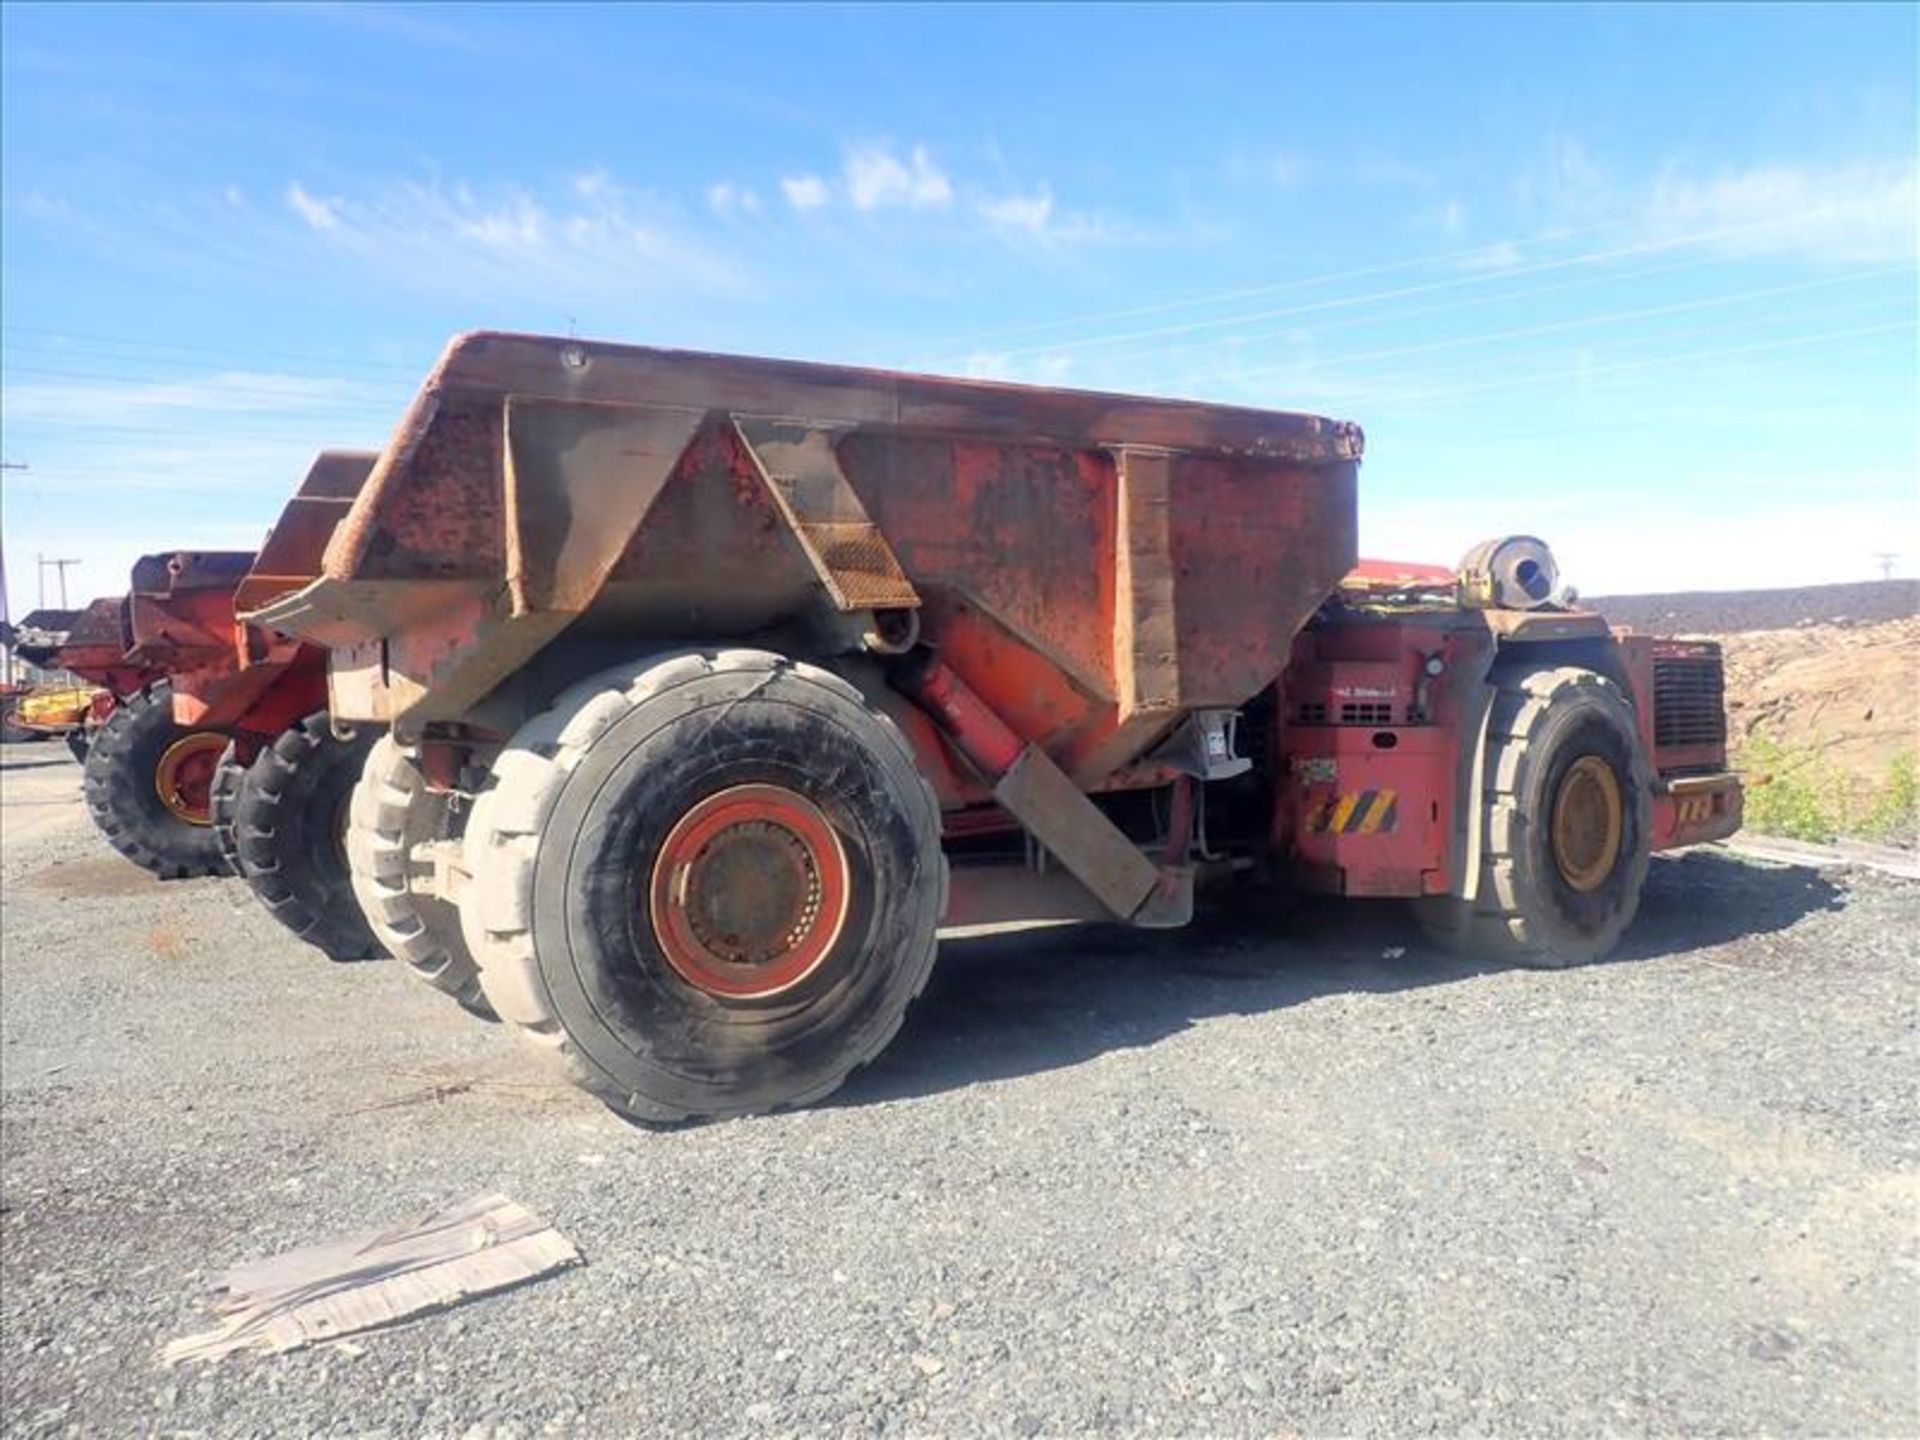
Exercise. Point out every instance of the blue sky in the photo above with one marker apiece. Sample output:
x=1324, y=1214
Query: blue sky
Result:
x=1640, y=280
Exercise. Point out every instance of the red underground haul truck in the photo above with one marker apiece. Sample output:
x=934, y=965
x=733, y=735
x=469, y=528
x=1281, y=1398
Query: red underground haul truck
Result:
x=714, y=687
x=216, y=754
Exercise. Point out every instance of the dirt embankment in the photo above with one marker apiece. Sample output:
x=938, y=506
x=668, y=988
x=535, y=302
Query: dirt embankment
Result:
x=1849, y=692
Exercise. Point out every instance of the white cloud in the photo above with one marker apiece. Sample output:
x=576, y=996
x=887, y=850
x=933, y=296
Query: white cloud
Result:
x=725, y=198
x=518, y=228
x=1855, y=213
x=594, y=237
x=876, y=180
x=1036, y=217
x=1574, y=180
x=1852, y=213
x=1453, y=216
x=1020, y=212
x=236, y=197
x=1502, y=255
x=1280, y=169
x=320, y=214
x=805, y=192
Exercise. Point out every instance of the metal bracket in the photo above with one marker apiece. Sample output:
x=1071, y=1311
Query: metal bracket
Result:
x=1039, y=794
x=1203, y=746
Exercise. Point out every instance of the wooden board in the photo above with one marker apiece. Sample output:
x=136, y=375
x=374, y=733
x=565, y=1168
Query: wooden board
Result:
x=343, y=1287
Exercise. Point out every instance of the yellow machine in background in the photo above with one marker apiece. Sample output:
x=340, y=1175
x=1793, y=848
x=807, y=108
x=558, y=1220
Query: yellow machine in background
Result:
x=62, y=709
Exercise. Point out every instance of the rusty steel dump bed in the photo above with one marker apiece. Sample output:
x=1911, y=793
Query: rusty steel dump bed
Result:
x=1094, y=566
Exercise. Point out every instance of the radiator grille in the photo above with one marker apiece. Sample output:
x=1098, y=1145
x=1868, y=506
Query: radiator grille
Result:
x=1689, y=701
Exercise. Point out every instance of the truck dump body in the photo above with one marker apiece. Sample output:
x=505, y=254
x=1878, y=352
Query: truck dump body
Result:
x=1094, y=566
x=94, y=646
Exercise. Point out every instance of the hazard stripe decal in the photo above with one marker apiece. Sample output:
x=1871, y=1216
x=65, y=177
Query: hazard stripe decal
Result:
x=1365, y=812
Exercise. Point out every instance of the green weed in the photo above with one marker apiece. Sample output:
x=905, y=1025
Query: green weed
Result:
x=1809, y=797
x=1894, y=816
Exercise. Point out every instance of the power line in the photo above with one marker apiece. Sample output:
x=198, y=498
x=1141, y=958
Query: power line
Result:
x=1397, y=316
x=238, y=388
x=1613, y=317
x=1346, y=302
x=1401, y=314
x=1488, y=251
x=1654, y=362
x=1491, y=276
x=225, y=351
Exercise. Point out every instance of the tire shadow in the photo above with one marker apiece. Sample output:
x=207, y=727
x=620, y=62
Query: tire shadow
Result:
x=43, y=763
x=1023, y=1002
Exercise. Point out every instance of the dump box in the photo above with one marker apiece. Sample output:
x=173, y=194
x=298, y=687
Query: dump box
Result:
x=1093, y=566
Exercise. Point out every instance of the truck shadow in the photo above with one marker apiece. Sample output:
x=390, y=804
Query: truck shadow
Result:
x=1023, y=1002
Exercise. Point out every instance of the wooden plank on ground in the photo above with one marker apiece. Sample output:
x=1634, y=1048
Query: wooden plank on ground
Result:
x=323, y=1292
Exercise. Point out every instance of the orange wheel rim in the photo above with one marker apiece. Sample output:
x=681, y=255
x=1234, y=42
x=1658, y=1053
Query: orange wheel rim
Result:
x=1588, y=823
x=749, y=892
x=184, y=777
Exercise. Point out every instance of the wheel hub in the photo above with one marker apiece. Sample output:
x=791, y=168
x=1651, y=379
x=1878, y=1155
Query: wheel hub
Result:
x=1587, y=823
x=749, y=891
x=183, y=778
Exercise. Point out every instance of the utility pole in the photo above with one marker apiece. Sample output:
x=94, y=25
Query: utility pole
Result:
x=6, y=616
x=1886, y=559
x=60, y=570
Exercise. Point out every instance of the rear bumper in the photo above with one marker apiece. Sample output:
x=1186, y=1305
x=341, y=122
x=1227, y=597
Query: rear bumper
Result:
x=1692, y=809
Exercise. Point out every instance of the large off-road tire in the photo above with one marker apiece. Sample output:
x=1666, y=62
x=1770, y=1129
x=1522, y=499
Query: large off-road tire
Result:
x=709, y=880
x=393, y=811
x=145, y=788
x=1567, y=815
x=224, y=794
x=289, y=825
x=12, y=732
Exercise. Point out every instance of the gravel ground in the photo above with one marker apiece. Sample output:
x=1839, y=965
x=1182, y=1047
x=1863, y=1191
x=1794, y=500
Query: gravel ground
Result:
x=1193, y=1183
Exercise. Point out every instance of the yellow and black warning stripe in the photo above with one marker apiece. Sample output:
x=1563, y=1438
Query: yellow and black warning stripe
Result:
x=1364, y=812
